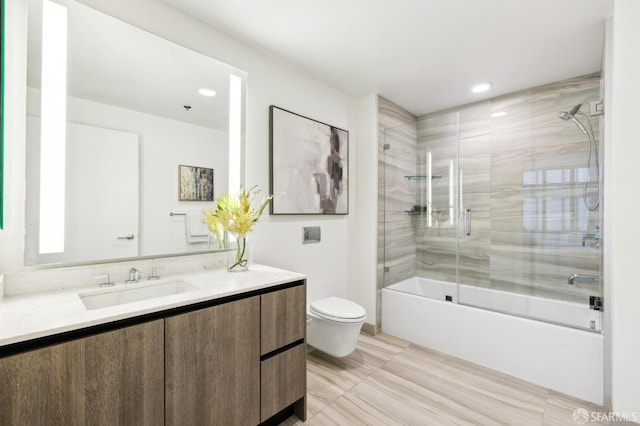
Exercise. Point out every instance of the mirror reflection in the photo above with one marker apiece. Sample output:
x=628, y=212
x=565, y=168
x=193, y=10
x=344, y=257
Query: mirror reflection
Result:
x=112, y=113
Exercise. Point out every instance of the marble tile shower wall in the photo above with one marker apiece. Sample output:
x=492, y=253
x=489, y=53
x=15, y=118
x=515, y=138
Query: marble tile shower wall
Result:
x=396, y=243
x=522, y=177
x=537, y=184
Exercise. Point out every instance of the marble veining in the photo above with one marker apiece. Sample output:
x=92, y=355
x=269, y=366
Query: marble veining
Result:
x=522, y=176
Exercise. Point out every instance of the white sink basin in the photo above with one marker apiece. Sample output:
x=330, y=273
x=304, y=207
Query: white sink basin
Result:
x=136, y=293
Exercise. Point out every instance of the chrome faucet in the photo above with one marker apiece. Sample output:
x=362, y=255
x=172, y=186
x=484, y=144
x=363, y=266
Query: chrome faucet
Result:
x=134, y=276
x=574, y=277
x=154, y=274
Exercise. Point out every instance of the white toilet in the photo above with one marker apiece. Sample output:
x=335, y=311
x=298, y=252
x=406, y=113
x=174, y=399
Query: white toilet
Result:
x=334, y=325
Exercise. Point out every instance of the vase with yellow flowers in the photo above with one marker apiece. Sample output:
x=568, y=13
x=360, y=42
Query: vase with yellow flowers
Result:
x=234, y=214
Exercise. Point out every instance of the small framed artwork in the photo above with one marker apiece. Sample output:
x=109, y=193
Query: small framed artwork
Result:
x=309, y=165
x=196, y=183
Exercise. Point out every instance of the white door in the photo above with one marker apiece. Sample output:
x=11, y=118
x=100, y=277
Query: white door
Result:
x=101, y=200
x=102, y=193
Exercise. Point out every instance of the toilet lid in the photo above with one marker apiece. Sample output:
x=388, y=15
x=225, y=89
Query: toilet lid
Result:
x=337, y=307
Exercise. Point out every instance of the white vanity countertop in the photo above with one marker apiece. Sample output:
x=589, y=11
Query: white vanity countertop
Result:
x=31, y=316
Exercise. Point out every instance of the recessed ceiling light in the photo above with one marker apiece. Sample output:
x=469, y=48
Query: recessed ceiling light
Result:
x=207, y=92
x=498, y=114
x=481, y=87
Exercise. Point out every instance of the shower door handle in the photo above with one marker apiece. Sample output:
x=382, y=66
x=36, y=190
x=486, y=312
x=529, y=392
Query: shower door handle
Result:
x=467, y=222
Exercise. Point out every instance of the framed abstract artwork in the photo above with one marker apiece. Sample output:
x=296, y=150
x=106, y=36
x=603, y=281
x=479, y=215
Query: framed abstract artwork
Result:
x=309, y=165
x=196, y=183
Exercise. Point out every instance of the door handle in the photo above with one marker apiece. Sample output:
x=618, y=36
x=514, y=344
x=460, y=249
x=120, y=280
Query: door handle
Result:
x=127, y=237
x=467, y=222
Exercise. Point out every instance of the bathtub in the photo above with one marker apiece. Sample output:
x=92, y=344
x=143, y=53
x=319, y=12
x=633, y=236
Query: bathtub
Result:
x=565, y=359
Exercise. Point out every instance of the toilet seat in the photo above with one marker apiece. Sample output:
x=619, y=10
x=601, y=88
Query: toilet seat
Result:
x=338, y=309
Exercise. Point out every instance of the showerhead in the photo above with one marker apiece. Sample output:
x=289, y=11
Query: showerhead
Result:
x=564, y=115
x=570, y=115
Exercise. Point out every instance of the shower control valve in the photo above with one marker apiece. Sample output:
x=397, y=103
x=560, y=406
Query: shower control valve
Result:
x=593, y=237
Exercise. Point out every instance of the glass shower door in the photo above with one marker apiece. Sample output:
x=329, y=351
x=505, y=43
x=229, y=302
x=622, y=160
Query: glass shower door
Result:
x=397, y=198
x=524, y=228
x=474, y=195
x=436, y=224
x=419, y=207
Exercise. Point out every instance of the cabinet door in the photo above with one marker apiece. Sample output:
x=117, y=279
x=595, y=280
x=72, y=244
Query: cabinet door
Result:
x=124, y=376
x=44, y=386
x=110, y=378
x=283, y=318
x=212, y=365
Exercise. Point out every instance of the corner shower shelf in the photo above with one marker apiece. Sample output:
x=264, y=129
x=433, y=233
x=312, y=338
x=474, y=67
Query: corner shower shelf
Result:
x=434, y=178
x=422, y=177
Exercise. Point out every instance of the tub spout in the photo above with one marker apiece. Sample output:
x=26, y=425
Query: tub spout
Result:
x=574, y=277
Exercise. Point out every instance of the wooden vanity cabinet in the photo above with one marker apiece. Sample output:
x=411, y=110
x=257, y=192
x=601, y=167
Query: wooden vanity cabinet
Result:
x=212, y=370
x=240, y=361
x=114, y=377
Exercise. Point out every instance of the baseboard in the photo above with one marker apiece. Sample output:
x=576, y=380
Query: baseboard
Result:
x=369, y=329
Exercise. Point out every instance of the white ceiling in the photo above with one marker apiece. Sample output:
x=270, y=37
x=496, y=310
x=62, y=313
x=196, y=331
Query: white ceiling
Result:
x=421, y=54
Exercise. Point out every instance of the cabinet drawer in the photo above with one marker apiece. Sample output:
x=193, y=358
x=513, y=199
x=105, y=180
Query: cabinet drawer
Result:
x=283, y=315
x=283, y=381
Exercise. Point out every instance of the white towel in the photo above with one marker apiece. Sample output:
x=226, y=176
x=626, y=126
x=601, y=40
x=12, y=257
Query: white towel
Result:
x=197, y=230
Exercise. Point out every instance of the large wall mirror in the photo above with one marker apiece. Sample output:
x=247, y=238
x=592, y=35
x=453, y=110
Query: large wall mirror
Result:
x=113, y=112
x=2, y=50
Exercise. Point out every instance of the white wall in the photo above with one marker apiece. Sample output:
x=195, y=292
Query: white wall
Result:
x=606, y=158
x=276, y=241
x=363, y=222
x=623, y=204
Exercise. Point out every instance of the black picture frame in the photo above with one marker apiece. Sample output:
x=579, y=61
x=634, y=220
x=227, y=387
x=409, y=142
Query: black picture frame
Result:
x=308, y=165
x=195, y=183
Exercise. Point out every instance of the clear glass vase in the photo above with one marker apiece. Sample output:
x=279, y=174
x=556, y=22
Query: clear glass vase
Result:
x=238, y=256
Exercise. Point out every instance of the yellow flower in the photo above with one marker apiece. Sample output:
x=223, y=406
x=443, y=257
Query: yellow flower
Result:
x=233, y=213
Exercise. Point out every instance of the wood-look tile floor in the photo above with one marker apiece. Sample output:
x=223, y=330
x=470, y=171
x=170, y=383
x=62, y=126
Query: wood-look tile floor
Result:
x=389, y=381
